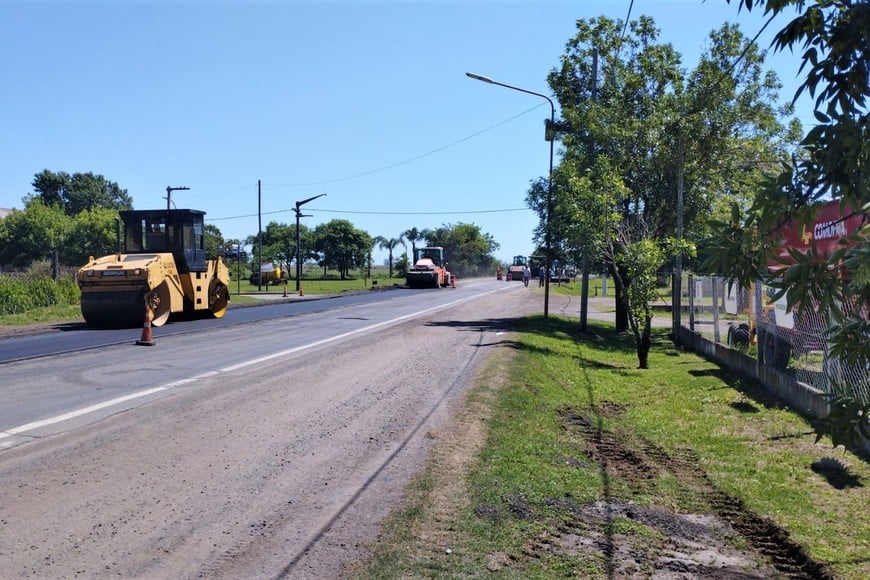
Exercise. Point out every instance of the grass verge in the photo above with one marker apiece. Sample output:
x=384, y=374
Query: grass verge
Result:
x=43, y=315
x=72, y=313
x=318, y=286
x=589, y=467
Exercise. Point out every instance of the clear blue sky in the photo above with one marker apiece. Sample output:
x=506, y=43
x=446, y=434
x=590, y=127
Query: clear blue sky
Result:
x=364, y=101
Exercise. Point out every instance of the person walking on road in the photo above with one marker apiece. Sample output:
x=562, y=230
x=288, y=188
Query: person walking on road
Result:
x=527, y=274
x=542, y=274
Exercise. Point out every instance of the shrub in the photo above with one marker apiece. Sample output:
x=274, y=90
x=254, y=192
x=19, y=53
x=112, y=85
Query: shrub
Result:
x=20, y=294
x=13, y=295
x=43, y=292
x=69, y=290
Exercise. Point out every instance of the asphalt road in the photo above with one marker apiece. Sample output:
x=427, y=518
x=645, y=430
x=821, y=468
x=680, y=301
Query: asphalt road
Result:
x=263, y=448
x=74, y=337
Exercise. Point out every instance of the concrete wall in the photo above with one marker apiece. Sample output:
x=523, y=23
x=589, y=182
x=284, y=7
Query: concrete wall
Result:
x=802, y=398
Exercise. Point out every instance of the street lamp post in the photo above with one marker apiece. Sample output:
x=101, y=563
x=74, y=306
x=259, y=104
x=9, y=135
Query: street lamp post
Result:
x=298, y=251
x=169, y=190
x=548, y=135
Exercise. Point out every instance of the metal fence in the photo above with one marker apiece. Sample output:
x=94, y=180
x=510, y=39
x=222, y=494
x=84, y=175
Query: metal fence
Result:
x=749, y=319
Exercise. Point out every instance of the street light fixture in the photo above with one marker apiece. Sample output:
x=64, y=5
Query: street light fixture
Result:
x=548, y=135
x=298, y=251
x=169, y=190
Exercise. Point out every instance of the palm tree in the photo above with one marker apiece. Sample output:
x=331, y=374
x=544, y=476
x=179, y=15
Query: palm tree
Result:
x=413, y=235
x=389, y=245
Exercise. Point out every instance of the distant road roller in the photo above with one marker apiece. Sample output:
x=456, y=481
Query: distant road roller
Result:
x=429, y=269
x=162, y=264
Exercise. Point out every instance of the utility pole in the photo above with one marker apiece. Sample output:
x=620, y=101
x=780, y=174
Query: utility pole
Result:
x=584, y=284
x=677, y=298
x=259, y=237
x=299, y=214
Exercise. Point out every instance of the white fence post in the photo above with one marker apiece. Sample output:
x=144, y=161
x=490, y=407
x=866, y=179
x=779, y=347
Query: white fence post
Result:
x=691, y=303
x=715, y=280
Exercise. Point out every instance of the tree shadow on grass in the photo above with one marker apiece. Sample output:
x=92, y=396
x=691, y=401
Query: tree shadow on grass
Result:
x=598, y=335
x=836, y=473
x=744, y=407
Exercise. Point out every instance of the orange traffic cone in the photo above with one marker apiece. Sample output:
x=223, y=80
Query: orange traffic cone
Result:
x=453, y=280
x=301, y=293
x=146, y=339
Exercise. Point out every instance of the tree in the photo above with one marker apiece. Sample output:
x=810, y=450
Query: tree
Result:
x=414, y=235
x=92, y=233
x=640, y=256
x=33, y=234
x=74, y=215
x=468, y=250
x=341, y=246
x=641, y=260
x=834, y=162
x=627, y=137
x=78, y=192
x=389, y=245
x=583, y=213
x=214, y=242
x=279, y=244
x=402, y=265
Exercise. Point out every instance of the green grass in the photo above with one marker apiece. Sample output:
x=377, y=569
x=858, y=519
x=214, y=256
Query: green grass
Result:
x=316, y=285
x=725, y=434
x=596, y=289
x=44, y=315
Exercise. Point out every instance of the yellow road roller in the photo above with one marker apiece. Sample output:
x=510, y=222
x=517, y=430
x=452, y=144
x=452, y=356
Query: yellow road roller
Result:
x=161, y=264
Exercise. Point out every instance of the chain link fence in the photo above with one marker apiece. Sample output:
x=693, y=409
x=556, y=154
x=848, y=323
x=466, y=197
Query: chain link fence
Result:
x=748, y=319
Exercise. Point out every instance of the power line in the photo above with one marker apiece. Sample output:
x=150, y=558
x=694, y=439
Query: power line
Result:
x=625, y=24
x=248, y=215
x=432, y=152
x=727, y=74
x=722, y=76
x=343, y=211
x=624, y=27
x=478, y=211
x=409, y=160
x=384, y=168
x=210, y=195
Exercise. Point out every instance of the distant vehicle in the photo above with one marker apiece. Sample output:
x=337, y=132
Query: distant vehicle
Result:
x=515, y=270
x=535, y=265
x=270, y=273
x=559, y=275
x=235, y=252
x=429, y=269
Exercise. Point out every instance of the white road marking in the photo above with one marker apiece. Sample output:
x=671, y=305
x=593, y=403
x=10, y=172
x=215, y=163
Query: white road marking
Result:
x=144, y=393
x=79, y=412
